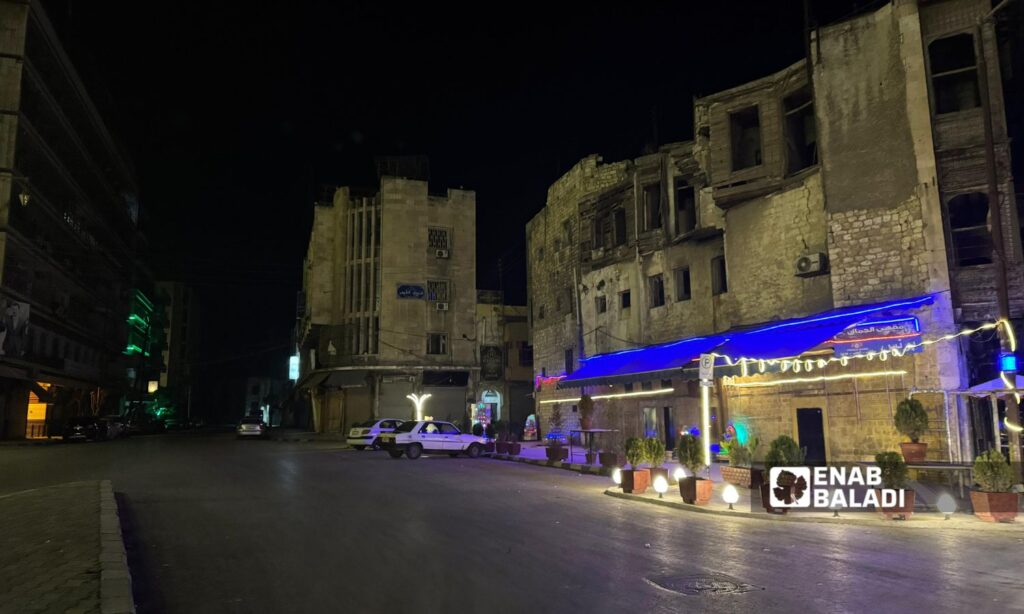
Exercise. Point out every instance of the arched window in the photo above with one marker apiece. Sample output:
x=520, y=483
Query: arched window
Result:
x=968, y=223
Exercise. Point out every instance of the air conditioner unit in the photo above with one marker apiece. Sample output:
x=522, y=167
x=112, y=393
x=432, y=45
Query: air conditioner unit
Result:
x=810, y=265
x=441, y=306
x=440, y=253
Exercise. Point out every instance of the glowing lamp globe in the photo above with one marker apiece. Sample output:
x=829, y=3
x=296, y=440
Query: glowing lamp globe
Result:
x=679, y=474
x=617, y=476
x=730, y=495
x=661, y=486
x=946, y=504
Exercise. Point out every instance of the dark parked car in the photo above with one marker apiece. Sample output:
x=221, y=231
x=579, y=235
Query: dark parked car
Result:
x=82, y=428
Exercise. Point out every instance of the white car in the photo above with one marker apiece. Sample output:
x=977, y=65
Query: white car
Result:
x=433, y=436
x=367, y=434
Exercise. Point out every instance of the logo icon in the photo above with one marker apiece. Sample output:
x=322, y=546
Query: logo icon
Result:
x=790, y=486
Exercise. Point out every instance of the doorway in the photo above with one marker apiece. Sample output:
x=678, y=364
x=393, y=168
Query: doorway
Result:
x=670, y=429
x=810, y=426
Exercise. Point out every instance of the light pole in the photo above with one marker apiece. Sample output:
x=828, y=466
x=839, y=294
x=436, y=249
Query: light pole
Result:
x=418, y=400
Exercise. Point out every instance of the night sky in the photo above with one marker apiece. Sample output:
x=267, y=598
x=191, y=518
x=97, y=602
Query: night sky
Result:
x=235, y=114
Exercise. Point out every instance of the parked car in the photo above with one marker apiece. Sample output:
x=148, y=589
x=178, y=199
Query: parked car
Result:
x=251, y=427
x=367, y=434
x=85, y=428
x=117, y=426
x=433, y=436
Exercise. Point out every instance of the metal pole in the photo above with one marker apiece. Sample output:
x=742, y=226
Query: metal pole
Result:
x=705, y=427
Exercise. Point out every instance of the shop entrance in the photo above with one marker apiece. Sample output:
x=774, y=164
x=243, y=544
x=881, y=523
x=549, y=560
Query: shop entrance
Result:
x=810, y=426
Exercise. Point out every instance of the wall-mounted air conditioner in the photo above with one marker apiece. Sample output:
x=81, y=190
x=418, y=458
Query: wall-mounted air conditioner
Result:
x=440, y=253
x=810, y=265
x=441, y=306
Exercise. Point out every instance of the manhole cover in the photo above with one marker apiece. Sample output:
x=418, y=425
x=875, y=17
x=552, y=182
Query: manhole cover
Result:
x=708, y=584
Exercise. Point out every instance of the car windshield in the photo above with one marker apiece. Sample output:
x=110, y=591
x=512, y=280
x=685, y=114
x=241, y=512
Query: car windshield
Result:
x=406, y=427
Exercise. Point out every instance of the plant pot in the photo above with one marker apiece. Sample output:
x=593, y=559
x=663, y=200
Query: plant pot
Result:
x=556, y=453
x=609, y=459
x=995, y=506
x=514, y=449
x=591, y=457
x=744, y=477
x=914, y=452
x=501, y=447
x=656, y=471
x=900, y=512
x=695, y=491
x=587, y=423
x=766, y=500
x=635, y=481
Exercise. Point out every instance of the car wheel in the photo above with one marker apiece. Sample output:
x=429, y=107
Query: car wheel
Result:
x=395, y=453
x=376, y=444
x=414, y=451
x=473, y=451
x=360, y=448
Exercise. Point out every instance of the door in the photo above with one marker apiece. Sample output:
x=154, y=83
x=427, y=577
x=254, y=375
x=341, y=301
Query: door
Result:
x=451, y=436
x=430, y=437
x=810, y=425
x=670, y=429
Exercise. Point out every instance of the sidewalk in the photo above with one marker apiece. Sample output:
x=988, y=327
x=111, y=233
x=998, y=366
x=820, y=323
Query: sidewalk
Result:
x=61, y=551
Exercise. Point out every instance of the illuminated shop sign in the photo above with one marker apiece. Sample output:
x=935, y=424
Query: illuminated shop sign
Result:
x=878, y=335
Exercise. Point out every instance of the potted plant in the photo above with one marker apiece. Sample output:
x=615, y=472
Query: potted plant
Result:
x=586, y=409
x=911, y=420
x=740, y=470
x=894, y=476
x=783, y=452
x=690, y=454
x=489, y=435
x=611, y=454
x=655, y=452
x=513, y=446
x=992, y=500
x=555, y=451
x=635, y=480
x=501, y=445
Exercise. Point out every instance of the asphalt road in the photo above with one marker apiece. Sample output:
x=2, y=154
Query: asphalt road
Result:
x=218, y=525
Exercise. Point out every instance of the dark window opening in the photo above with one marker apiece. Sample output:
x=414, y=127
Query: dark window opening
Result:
x=686, y=207
x=620, y=226
x=666, y=383
x=683, y=284
x=745, y=132
x=719, y=282
x=968, y=223
x=437, y=343
x=627, y=387
x=657, y=290
x=567, y=232
x=525, y=355
x=624, y=299
x=646, y=386
x=601, y=304
x=652, y=207
x=954, y=74
x=568, y=362
x=801, y=133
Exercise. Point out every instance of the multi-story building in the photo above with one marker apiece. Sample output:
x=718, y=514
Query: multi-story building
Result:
x=68, y=238
x=390, y=304
x=506, y=362
x=821, y=216
x=181, y=341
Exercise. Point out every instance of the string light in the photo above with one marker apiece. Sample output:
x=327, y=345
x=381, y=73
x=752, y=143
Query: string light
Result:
x=1016, y=428
x=806, y=380
x=619, y=395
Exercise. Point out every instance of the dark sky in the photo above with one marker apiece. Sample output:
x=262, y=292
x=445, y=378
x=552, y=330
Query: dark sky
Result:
x=235, y=113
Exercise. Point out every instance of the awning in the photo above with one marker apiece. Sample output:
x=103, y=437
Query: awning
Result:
x=779, y=339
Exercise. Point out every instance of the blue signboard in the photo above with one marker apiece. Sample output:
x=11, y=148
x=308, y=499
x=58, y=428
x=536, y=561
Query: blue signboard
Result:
x=411, y=291
x=878, y=335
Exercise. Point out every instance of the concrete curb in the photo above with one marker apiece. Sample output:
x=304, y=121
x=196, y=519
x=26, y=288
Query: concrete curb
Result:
x=842, y=520
x=115, y=577
x=577, y=467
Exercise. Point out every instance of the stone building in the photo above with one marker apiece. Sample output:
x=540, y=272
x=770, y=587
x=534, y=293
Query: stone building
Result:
x=69, y=241
x=506, y=362
x=390, y=304
x=852, y=192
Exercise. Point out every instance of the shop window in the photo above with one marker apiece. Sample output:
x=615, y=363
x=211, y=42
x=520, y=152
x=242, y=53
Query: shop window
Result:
x=625, y=300
x=652, y=207
x=569, y=363
x=437, y=343
x=686, y=207
x=745, y=134
x=682, y=284
x=656, y=287
x=954, y=73
x=719, y=282
x=801, y=132
x=968, y=223
x=601, y=304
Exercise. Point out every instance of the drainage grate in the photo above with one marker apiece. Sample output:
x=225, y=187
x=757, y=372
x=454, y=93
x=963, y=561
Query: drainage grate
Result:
x=709, y=584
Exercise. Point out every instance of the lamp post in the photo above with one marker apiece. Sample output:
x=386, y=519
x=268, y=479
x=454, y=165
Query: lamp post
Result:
x=418, y=400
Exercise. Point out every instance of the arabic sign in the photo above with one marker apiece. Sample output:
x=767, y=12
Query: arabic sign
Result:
x=878, y=335
x=414, y=291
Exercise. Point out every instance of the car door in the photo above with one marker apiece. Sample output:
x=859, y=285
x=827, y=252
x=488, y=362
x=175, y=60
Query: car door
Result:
x=452, y=437
x=430, y=437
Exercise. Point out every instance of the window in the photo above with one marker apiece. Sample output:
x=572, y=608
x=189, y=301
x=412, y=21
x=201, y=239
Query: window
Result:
x=651, y=422
x=601, y=304
x=646, y=386
x=745, y=133
x=525, y=355
x=437, y=343
x=656, y=288
x=719, y=283
x=652, y=206
x=620, y=226
x=624, y=299
x=801, y=133
x=569, y=363
x=682, y=284
x=448, y=429
x=567, y=231
x=437, y=290
x=666, y=383
x=686, y=207
x=627, y=387
x=954, y=74
x=968, y=223
x=430, y=428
